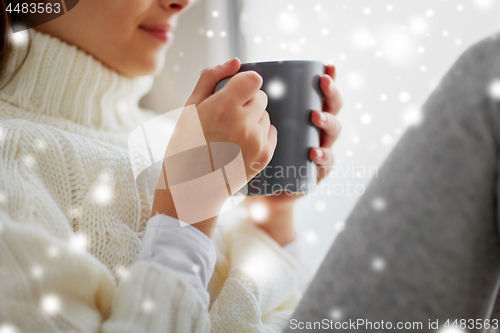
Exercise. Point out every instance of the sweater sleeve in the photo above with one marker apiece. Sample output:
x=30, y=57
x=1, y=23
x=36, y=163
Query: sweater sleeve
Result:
x=188, y=252
x=48, y=283
x=257, y=281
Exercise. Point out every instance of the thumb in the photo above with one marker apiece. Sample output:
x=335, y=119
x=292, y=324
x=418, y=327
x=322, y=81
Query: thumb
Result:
x=209, y=79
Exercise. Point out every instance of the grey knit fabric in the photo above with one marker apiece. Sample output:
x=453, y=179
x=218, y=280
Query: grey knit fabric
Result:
x=433, y=252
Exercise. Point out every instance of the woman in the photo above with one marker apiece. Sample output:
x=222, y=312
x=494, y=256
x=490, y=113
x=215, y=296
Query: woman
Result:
x=72, y=220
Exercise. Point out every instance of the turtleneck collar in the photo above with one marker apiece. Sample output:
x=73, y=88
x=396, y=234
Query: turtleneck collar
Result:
x=61, y=80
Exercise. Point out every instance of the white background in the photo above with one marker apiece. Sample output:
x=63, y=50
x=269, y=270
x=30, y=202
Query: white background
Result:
x=390, y=55
x=397, y=49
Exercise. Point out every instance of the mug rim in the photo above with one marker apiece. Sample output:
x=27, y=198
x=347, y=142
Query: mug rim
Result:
x=277, y=62
x=282, y=61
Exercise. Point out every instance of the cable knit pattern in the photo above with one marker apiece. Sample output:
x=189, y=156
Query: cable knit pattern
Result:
x=72, y=85
x=253, y=279
x=72, y=217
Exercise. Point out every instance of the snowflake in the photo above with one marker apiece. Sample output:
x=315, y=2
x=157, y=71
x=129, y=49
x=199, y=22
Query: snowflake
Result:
x=148, y=305
x=365, y=118
x=257, y=264
x=379, y=203
x=288, y=22
x=122, y=272
x=122, y=106
x=310, y=237
x=398, y=47
x=378, y=264
x=387, y=140
x=37, y=272
x=340, y=226
x=258, y=212
x=418, y=25
x=19, y=38
x=29, y=160
x=51, y=304
x=356, y=81
x=53, y=251
x=103, y=191
x=404, y=97
x=494, y=89
x=7, y=328
x=79, y=242
x=484, y=4
x=363, y=39
x=276, y=89
x=451, y=330
x=336, y=314
x=412, y=116
x=40, y=144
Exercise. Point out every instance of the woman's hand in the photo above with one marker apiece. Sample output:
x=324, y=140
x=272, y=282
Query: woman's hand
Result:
x=237, y=114
x=278, y=217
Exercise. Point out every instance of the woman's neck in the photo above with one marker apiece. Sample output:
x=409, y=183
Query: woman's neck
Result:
x=60, y=80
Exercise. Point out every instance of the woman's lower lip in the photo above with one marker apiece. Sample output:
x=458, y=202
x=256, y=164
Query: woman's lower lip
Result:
x=163, y=36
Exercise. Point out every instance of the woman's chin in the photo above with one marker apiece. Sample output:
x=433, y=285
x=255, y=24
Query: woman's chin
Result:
x=160, y=64
x=142, y=66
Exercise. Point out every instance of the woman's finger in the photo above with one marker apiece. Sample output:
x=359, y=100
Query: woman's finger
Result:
x=329, y=125
x=210, y=78
x=258, y=103
x=331, y=71
x=332, y=101
x=323, y=157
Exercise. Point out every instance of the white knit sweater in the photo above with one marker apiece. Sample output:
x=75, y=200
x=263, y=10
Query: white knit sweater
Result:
x=72, y=218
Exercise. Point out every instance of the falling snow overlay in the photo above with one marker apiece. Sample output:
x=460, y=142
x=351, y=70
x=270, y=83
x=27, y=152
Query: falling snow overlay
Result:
x=389, y=57
x=336, y=314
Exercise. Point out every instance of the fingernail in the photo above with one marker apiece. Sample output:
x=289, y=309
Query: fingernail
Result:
x=230, y=61
x=322, y=116
x=331, y=84
x=319, y=152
